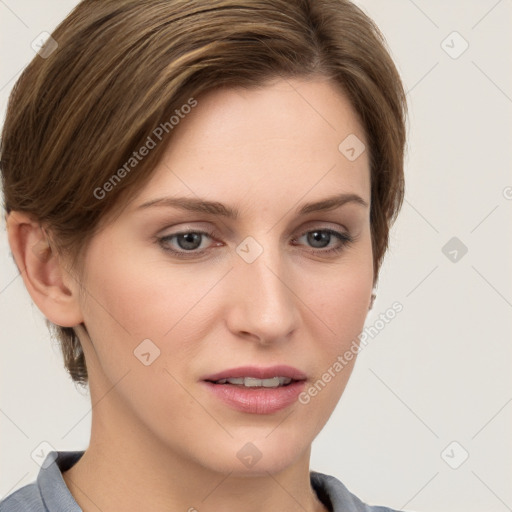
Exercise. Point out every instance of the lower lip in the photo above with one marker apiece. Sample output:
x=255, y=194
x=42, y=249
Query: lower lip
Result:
x=257, y=400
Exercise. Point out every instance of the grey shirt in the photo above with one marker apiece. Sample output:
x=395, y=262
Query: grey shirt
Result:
x=50, y=493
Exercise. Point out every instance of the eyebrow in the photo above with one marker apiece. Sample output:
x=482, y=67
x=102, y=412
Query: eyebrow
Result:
x=216, y=208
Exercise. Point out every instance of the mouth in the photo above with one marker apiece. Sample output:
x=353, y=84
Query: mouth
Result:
x=258, y=377
x=257, y=390
x=252, y=382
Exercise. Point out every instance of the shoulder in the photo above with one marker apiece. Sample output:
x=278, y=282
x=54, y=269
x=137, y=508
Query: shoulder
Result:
x=330, y=490
x=49, y=491
x=26, y=499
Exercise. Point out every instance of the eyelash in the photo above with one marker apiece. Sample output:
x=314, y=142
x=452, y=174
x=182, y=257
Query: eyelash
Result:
x=344, y=238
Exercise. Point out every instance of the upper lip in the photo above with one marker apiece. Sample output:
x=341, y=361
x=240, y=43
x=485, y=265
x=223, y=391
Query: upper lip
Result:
x=258, y=373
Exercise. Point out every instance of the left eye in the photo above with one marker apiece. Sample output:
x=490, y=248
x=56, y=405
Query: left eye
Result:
x=321, y=238
x=318, y=239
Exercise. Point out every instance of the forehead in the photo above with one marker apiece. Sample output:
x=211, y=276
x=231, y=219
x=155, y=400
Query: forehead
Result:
x=276, y=141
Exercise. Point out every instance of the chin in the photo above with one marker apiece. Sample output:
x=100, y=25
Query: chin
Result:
x=257, y=454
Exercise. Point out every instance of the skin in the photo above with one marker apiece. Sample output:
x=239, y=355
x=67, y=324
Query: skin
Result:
x=159, y=440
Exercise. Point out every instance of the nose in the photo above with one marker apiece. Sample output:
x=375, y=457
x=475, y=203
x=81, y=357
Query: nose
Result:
x=263, y=306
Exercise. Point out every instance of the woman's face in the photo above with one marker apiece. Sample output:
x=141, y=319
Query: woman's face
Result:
x=275, y=284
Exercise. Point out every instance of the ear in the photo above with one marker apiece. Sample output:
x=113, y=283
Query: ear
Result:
x=52, y=288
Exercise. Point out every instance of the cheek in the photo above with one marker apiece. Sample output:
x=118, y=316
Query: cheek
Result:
x=131, y=294
x=122, y=305
x=339, y=302
x=342, y=310
x=342, y=303
x=340, y=296
x=130, y=299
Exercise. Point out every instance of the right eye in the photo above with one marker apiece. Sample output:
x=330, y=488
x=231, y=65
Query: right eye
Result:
x=185, y=243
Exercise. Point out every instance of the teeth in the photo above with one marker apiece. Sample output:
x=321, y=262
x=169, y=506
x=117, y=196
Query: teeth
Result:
x=251, y=382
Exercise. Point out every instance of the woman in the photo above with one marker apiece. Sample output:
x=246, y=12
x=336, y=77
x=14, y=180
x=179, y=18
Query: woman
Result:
x=198, y=197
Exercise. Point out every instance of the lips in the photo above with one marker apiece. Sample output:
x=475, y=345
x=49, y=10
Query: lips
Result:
x=270, y=372
x=257, y=390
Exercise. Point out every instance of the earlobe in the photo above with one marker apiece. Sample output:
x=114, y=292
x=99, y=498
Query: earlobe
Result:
x=52, y=288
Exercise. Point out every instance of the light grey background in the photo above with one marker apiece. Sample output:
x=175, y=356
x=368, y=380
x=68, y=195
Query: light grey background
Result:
x=441, y=370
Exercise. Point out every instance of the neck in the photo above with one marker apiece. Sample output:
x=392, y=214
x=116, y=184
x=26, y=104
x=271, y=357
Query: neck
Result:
x=130, y=469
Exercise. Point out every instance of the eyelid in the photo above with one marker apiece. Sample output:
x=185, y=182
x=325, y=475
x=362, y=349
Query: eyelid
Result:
x=210, y=233
x=324, y=226
x=320, y=223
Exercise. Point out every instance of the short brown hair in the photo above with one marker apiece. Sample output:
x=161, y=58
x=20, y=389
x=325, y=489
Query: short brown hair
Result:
x=124, y=67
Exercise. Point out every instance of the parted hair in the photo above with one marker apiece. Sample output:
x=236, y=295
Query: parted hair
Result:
x=116, y=70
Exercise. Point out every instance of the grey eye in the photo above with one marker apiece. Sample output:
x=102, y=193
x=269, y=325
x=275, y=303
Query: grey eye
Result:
x=189, y=241
x=319, y=239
